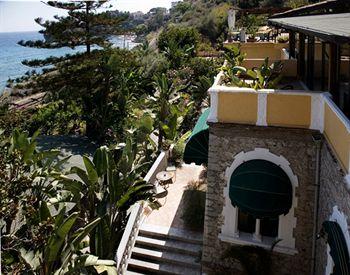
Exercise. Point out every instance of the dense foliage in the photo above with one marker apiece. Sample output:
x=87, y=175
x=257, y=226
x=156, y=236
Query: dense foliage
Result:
x=57, y=221
x=48, y=219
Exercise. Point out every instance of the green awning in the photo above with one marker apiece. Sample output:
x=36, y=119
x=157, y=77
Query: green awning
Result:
x=196, y=149
x=338, y=247
x=261, y=188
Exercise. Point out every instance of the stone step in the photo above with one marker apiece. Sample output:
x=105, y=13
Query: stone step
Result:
x=160, y=232
x=160, y=268
x=169, y=245
x=166, y=257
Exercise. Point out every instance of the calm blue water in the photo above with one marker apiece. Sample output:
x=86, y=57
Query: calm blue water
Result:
x=11, y=54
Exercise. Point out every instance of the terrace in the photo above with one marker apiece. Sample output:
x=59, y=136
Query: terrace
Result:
x=317, y=93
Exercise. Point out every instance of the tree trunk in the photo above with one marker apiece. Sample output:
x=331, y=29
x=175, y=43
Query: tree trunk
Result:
x=87, y=28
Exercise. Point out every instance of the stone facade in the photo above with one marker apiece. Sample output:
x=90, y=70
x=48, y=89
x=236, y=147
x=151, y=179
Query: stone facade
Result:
x=333, y=192
x=300, y=149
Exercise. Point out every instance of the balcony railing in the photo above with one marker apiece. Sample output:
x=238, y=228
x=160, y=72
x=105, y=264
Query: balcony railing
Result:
x=137, y=214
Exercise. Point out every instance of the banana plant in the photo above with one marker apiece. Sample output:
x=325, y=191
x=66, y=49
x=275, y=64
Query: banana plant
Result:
x=62, y=252
x=172, y=126
x=166, y=96
x=108, y=186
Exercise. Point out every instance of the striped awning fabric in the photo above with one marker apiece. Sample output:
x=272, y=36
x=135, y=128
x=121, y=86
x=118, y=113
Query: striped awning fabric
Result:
x=338, y=247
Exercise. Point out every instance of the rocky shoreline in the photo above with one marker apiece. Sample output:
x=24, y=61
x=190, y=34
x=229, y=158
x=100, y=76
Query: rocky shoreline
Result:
x=20, y=98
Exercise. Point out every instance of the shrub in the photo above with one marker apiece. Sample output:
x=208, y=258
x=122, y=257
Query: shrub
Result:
x=215, y=23
x=183, y=37
x=58, y=117
x=178, y=44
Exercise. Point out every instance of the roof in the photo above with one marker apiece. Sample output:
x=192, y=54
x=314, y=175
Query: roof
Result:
x=335, y=6
x=329, y=27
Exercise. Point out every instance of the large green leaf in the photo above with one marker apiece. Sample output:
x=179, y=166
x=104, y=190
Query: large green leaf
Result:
x=44, y=211
x=78, y=237
x=56, y=241
x=252, y=74
x=101, y=160
x=31, y=258
x=90, y=169
x=71, y=185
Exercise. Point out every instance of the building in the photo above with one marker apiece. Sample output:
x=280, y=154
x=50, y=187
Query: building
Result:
x=279, y=159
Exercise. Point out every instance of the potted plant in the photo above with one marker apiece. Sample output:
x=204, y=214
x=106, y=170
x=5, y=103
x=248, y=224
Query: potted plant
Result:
x=252, y=30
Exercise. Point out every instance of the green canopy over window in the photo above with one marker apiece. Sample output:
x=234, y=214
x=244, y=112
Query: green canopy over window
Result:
x=196, y=149
x=338, y=247
x=261, y=188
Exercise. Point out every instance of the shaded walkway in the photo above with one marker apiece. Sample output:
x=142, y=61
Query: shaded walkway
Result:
x=169, y=215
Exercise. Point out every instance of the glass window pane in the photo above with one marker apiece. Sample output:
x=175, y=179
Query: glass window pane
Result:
x=246, y=222
x=269, y=227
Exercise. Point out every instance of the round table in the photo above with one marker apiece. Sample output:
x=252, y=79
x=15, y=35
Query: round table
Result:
x=165, y=178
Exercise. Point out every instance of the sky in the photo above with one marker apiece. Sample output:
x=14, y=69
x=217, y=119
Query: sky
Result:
x=18, y=16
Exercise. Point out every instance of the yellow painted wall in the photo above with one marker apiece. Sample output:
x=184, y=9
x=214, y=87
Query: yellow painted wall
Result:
x=238, y=107
x=289, y=110
x=338, y=136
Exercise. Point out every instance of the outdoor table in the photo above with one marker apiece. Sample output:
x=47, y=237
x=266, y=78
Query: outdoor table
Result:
x=165, y=178
x=161, y=192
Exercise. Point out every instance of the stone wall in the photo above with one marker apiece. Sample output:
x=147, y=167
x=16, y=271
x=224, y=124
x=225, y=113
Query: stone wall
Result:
x=299, y=148
x=333, y=192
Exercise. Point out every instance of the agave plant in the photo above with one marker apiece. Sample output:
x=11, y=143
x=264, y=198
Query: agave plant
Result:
x=266, y=76
x=108, y=186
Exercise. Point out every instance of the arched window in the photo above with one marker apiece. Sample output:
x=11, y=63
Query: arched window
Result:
x=260, y=201
x=262, y=192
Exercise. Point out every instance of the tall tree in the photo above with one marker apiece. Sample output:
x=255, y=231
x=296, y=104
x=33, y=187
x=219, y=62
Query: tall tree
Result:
x=74, y=75
x=83, y=26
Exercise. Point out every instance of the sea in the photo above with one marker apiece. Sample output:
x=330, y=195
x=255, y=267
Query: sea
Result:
x=12, y=54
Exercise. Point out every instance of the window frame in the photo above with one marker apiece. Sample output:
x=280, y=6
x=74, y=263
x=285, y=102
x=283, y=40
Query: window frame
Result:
x=286, y=223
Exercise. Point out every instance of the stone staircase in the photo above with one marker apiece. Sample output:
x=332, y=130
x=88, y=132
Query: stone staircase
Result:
x=161, y=250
